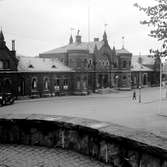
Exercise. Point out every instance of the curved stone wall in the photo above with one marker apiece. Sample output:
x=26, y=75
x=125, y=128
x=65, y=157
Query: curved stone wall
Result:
x=109, y=143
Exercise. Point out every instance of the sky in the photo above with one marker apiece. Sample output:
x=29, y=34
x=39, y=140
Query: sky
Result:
x=42, y=25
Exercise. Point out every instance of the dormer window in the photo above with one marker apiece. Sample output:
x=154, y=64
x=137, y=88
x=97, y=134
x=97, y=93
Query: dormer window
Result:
x=30, y=66
x=53, y=66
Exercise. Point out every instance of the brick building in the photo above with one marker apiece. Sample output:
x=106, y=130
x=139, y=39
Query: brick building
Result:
x=8, y=67
x=96, y=65
x=32, y=76
x=145, y=68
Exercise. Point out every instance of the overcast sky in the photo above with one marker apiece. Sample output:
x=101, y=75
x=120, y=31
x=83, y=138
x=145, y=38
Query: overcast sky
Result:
x=41, y=25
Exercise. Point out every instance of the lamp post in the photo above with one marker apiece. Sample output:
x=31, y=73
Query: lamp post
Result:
x=140, y=77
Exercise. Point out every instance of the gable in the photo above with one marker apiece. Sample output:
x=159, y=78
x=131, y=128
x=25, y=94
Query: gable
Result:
x=8, y=59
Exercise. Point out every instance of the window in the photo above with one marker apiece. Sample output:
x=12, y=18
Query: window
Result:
x=65, y=86
x=46, y=84
x=1, y=64
x=34, y=83
x=124, y=64
x=85, y=61
x=57, y=85
x=53, y=66
x=78, y=83
x=124, y=77
x=115, y=65
x=84, y=82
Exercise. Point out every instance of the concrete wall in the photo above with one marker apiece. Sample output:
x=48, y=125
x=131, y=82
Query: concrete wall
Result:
x=111, y=144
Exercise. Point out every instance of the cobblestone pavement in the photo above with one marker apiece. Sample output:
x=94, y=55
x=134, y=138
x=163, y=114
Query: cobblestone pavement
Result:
x=33, y=156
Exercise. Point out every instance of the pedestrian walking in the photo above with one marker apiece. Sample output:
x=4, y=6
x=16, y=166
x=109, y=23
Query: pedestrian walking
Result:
x=134, y=95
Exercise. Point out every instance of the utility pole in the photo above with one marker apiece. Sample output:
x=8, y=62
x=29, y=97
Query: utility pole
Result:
x=160, y=81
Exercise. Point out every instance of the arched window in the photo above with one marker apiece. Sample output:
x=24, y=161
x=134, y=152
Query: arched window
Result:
x=66, y=83
x=1, y=64
x=34, y=83
x=46, y=84
x=78, y=83
x=84, y=82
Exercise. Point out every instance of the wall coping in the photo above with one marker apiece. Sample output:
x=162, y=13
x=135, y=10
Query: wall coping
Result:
x=137, y=139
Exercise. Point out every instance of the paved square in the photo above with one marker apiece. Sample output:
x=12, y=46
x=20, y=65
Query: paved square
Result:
x=117, y=108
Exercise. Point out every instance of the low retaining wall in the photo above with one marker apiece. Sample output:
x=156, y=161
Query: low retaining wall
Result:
x=106, y=142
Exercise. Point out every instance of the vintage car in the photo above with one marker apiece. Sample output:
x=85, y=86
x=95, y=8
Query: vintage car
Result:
x=6, y=98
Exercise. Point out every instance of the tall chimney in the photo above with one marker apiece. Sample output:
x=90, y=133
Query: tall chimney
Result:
x=96, y=39
x=78, y=39
x=13, y=45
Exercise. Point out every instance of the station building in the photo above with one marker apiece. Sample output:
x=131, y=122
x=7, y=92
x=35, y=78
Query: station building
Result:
x=77, y=68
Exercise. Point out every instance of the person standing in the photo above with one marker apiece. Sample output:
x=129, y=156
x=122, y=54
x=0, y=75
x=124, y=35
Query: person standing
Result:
x=134, y=95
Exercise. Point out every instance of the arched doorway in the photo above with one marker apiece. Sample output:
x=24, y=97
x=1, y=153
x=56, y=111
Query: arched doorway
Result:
x=78, y=83
x=21, y=88
x=7, y=85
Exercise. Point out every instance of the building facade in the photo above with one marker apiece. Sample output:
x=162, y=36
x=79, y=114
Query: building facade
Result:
x=145, y=71
x=77, y=68
x=32, y=76
x=97, y=66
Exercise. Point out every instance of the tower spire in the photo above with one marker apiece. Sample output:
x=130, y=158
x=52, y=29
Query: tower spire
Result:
x=105, y=36
x=2, y=39
x=1, y=35
x=71, y=38
x=123, y=42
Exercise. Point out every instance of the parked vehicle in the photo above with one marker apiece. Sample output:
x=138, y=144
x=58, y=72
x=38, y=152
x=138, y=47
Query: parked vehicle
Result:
x=6, y=98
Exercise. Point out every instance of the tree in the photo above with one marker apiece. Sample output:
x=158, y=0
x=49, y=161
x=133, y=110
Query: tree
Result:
x=157, y=19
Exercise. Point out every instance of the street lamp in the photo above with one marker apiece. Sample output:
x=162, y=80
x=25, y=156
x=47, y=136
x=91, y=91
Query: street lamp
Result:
x=140, y=78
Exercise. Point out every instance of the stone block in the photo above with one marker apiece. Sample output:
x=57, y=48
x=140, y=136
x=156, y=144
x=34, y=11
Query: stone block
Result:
x=93, y=147
x=133, y=158
x=164, y=164
x=71, y=140
x=14, y=134
x=103, y=149
x=48, y=139
x=149, y=161
x=83, y=141
x=36, y=137
x=24, y=137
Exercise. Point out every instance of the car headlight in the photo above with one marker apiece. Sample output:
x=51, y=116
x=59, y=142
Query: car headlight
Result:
x=0, y=97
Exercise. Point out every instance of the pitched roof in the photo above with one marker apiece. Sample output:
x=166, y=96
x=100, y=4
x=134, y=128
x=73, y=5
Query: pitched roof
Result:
x=122, y=51
x=146, y=59
x=138, y=67
x=147, y=63
x=88, y=46
x=36, y=64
